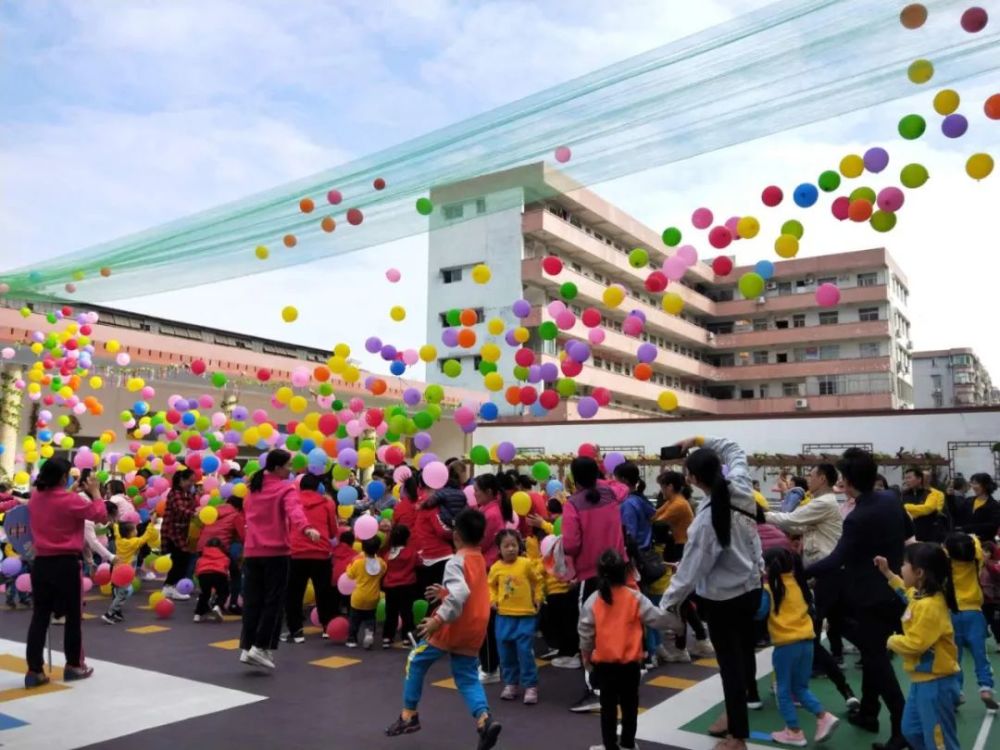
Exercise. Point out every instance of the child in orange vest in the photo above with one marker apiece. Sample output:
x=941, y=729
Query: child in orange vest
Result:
x=611, y=643
x=457, y=628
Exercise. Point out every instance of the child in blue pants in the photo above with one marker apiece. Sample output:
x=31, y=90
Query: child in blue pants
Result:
x=456, y=629
x=515, y=591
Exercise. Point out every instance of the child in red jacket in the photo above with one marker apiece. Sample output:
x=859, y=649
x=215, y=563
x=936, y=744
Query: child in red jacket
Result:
x=213, y=578
x=343, y=555
x=400, y=585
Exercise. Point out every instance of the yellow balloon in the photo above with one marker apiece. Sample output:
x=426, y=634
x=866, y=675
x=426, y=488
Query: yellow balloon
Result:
x=495, y=326
x=787, y=246
x=25, y=312
x=96, y=382
x=208, y=515
x=481, y=273
x=428, y=353
x=163, y=564
x=298, y=404
x=112, y=346
x=490, y=352
x=310, y=596
x=46, y=451
x=521, y=334
x=366, y=458
x=21, y=478
x=155, y=597
x=240, y=490
x=106, y=589
x=261, y=252
x=979, y=166
x=336, y=363
x=613, y=296
x=946, y=101
x=135, y=384
x=266, y=429
x=37, y=348
x=852, y=166
x=920, y=71
x=672, y=303
x=351, y=374
x=31, y=457
x=283, y=395
x=667, y=400
x=397, y=313
x=345, y=511
x=493, y=381
x=747, y=227
x=289, y=314
x=125, y=465
x=521, y=502
x=251, y=436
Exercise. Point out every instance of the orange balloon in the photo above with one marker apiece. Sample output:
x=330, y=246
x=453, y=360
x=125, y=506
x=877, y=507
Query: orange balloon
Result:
x=306, y=205
x=913, y=16
x=513, y=395
x=859, y=210
x=161, y=508
x=97, y=410
x=138, y=481
x=105, y=272
x=466, y=338
x=330, y=447
x=74, y=382
x=378, y=387
x=642, y=371
x=328, y=224
x=992, y=107
x=289, y=240
x=321, y=374
x=468, y=317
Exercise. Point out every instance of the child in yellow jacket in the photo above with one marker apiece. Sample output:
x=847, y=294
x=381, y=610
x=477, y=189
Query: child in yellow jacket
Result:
x=515, y=591
x=367, y=572
x=127, y=546
x=927, y=644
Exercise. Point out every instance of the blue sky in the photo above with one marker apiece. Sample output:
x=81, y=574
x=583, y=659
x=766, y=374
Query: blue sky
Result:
x=122, y=115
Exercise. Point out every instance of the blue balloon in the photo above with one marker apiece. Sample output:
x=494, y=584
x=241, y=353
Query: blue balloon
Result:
x=376, y=489
x=764, y=269
x=210, y=464
x=142, y=408
x=489, y=411
x=317, y=457
x=347, y=495
x=45, y=436
x=805, y=195
x=553, y=487
x=538, y=410
x=188, y=418
x=308, y=445
x=397, y=367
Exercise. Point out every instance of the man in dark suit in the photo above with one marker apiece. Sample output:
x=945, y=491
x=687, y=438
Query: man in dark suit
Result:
x=878, y=526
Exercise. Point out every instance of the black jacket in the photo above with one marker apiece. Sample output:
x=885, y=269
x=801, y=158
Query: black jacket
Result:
x=983, y=522
x=878, y=526
x=930, y=528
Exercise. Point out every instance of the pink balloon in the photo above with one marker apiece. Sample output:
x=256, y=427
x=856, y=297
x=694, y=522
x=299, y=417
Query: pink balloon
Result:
x=464, y=415
x=300, y=378
x=565, y=320
x=687, y=254
x=596, y=336
x=827, y=295
x=555, y=307
x=401, y=474
x=411, y=356
x=470, y=496
x=393, y=275
x=435, y=475
x=674, y=267
x=563, y=154
x=346, y=585
x=890, y=199
x=702, y=218
x=365, y=527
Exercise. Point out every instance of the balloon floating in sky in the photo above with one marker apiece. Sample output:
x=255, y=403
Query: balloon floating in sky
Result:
x=289, y=314
x=702, y=218
x=876, y=159
x=912, y=127
x=913, y=16
x=771, y=196
x=954, y=126
x=992, y=107
x=979, y=166
x=424, y=206
x=946, y=101
x=913, y=175
x=920, y=71
x=563, y=154
x=974, y=20
x=393, y=275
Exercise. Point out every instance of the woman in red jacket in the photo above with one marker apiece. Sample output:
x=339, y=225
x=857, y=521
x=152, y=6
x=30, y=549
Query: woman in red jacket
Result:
x=57, y=516
x=430, y=538
x=311, y=560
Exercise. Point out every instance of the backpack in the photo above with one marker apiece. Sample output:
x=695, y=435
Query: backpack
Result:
x=557, y=564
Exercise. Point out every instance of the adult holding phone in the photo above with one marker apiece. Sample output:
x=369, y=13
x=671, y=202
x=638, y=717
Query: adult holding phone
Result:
x=722, y=565
x=57, y=517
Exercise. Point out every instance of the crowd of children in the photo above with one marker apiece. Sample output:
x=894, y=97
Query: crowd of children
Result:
x=491, y=580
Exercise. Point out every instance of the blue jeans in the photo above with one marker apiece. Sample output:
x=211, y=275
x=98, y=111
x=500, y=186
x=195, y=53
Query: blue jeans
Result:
x=465, y=670
x=970, y=633
x=120, y=595
x=930, y=704
x=516, y=644
x=792, y=669
x=653, y=636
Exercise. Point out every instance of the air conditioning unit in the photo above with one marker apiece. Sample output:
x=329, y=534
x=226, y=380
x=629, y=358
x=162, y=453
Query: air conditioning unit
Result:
x=801, y=403
x=771, y=285
x=710, y=336
x=761, y=300
x=810, y=279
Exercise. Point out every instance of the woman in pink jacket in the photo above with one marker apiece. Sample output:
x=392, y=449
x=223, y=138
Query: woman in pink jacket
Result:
x=57, y=518
x=273, y=511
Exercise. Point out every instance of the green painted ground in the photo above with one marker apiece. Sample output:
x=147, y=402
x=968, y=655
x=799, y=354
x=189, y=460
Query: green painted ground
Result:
x=848, y=737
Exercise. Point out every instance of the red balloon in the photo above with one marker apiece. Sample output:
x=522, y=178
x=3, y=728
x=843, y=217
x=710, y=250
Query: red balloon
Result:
x=122, y=575
x=974, y=20
x=164, y=608
x=656, y=281
x=378, y=183
x=552, y=265
x=549, y=399
x=840, y=207
x=859, y=210
x=992, y=107
x=602, y=396
x=571, y=368
x=354, y=216
x=173, y=416
x=263, y=374
x=720, y=237
x=772, y=196
x=102, y=575
x=67, y=311
x=524, y=357
x=193, y=461
x=327, y=424
x=591, y=317
x=528, y=395
x=198, y=367
x=723, y=265
x=394, y=456
x=337, y=629
x=587, y=450
x=373, y=417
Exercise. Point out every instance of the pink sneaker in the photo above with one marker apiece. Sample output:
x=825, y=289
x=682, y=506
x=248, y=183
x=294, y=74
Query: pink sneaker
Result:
x=530, y=696
x=825, y=725
x=509, y=693
x=788, y=736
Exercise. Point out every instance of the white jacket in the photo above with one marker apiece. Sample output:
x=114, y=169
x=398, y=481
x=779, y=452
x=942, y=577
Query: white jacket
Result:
x=818, y=522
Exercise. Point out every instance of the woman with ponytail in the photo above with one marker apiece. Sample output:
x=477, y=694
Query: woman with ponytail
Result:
x=273, y=511
x=722, y=566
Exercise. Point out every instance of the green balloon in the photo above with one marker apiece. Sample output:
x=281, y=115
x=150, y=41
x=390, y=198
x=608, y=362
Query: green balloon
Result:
x=337, y=405
x=293, y=442
x=863, y=193
x=341, y=431
x=98, y=447
x=485, y=368
x=913, y=175
x=454, y=316
x=434, y=410
x=452, y=368
x=540, y=471
x=479, y=455
x=639, y=257
x=397, y=423
x=386, y=515
x=103, y=476
x=391, y=437
x=912, y=127
x=218, y=379
x=433, y=394
x=751, y=285
x=340, y=473
x=380, y=611
x=568, y=290
x=882, y=221
x=793, y=228
x=252, y=467
x=421, y=419
x=174, y=447
x=419, y=610
x=520, y=373
x=548, y=330
x=325, y=389
x=829, y=181
x=557, y=527
x=566, y=387
x=299, y=462
x=671, y=236
x=424, y=206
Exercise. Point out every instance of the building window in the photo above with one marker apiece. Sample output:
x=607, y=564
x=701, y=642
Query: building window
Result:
x=867, y=314
x=826, y=280
x=829, y=318
x=760, y=325
x=763, y=390
x=828, y=386
x=830, y=351
x=480, y=205
x=781, y=358
x=781, y=325
x=760, y=358
x=867, y=279
x=936, y=382
x=784, y=287
x=746, y=393
x=868, y=349
x=454, y=211
x=451, y=275
x=938, y=400
x=789, y=389
x=799, y=321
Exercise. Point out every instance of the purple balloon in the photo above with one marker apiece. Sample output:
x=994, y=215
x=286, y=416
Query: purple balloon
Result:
x=534, y=373
x=449, y=337
x=646, y=352
x=876, y=159
x=240, y=413
x=506, y=451
x=587, y=407
x=389, y=352
x=469, y=427
x=411, y=397
x=11, y=567
x=521, y=308
x=509, y=338
x=422, y=441
x=427, y=458
x=581, y=352
x=639, y=314
x=373, y=344
x=613, y=459
x=348, y=458
x=185, y=586
x=954, y=126
x=550, y=372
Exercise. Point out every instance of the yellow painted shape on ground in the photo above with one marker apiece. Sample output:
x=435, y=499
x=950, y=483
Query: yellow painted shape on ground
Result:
x=147, y=629
x=677, y=683
x=232, y=645
x=335, y=662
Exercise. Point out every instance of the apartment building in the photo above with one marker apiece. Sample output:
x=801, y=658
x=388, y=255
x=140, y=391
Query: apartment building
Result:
x=722, y=355
x=951, y=378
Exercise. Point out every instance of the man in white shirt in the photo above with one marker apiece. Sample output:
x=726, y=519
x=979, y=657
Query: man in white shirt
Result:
x=818, y=520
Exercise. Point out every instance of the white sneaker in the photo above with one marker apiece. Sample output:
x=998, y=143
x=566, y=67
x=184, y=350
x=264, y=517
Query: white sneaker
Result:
x=58, y=620
x=150, y=576
x=244, y=656
x=217, y=613
x=489, y=678
x=670, y=654
x=171, y=593
x=260, y=657
x=567, y=662
x=197, y=618
x=702, y=649
x=368, y=640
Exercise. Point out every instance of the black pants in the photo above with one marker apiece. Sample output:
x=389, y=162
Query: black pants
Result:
x=266, y=579
x=300, y=572
x=399, y=605
x=872, y=626
x=428, y=575
x=824, y=662
x=619, y=688
x=55, y=588
x=991, y=612
x=235, y=581
x=216, y=584
x=689, y=613
x=559, y=618
x=144, y=550
x=359, y=618
x=489, y=654
x=730, y=626
x=180, y=559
